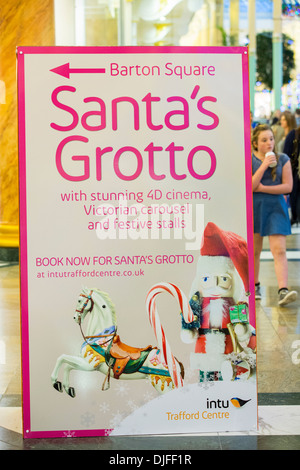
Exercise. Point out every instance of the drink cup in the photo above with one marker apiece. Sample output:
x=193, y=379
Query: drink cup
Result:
x=272, y=164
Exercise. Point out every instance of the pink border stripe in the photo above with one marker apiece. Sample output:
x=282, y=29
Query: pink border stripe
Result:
x=249, y=195
x=23, y=245
x=248, y=170
x=131, y=49
x=68, y=433
x=23, y=206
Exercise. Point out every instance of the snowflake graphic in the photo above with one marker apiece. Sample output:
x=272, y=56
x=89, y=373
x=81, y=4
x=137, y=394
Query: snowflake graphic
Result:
x=123, y=388
x=87, y=419
x=132, y=405
x=149, y=394
x=116, y=419
x=69, y=434
x=206, y=385
x=104, y=407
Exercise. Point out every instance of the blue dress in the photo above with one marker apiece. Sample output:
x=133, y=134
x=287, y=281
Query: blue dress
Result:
x=270, y=211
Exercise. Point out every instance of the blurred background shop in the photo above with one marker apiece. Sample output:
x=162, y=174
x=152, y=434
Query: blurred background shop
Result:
x=270, y=28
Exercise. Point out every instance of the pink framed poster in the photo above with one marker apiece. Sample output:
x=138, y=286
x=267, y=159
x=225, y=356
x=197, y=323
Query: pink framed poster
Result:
x=136, y=251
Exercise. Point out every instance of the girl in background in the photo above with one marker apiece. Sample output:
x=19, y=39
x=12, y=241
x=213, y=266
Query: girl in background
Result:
x=287, y=122
x=292, y=149
x=271, y=180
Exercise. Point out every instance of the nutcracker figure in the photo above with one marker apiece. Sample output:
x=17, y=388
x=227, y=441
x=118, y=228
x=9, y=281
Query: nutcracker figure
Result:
x=218, y=298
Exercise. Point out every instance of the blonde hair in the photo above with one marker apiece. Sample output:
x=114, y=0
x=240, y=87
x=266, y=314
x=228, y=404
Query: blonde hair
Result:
x=254, y=140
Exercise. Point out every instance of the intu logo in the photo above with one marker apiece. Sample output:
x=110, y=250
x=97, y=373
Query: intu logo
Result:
x=236, y=402
x=210, y=404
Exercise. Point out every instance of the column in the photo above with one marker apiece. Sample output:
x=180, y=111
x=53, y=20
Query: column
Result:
x=212, y=23
x=215, y=12
x=80, y=37
x=219, y=22
x=64, y=18
x=277, y=53
x=252, y=51
x=125, y=23
x=234, y=13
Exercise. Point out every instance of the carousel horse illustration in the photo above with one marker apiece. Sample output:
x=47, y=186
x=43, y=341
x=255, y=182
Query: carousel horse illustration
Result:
x=103, y=351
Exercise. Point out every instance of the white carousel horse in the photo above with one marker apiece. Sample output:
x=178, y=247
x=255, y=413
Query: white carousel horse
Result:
x=103, y=351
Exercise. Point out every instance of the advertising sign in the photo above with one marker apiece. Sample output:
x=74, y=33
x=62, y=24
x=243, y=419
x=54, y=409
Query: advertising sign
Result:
x=136, y=251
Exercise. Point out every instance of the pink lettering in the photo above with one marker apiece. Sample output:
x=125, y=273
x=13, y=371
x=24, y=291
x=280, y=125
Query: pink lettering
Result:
x=136, y=117
x=213, y=162
x=101, y=114
x=148, y=99
x=83, y=158
x=172, y=148
x=184, y=113
x=207, y=113
x=64, y=107
x=139, y=163
x=151, y=149
x=99, y=153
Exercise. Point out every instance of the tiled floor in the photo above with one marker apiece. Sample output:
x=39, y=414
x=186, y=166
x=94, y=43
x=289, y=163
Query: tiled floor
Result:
x=278, y=331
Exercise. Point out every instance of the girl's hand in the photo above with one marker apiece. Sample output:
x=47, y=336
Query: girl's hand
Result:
x=270, y=159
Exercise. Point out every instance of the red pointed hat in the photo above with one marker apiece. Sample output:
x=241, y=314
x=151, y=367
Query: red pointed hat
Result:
x=217, y=242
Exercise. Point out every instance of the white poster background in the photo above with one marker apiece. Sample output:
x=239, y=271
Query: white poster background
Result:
x=55, y=229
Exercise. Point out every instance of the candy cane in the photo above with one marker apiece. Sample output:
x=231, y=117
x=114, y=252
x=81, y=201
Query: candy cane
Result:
x=173, y=366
